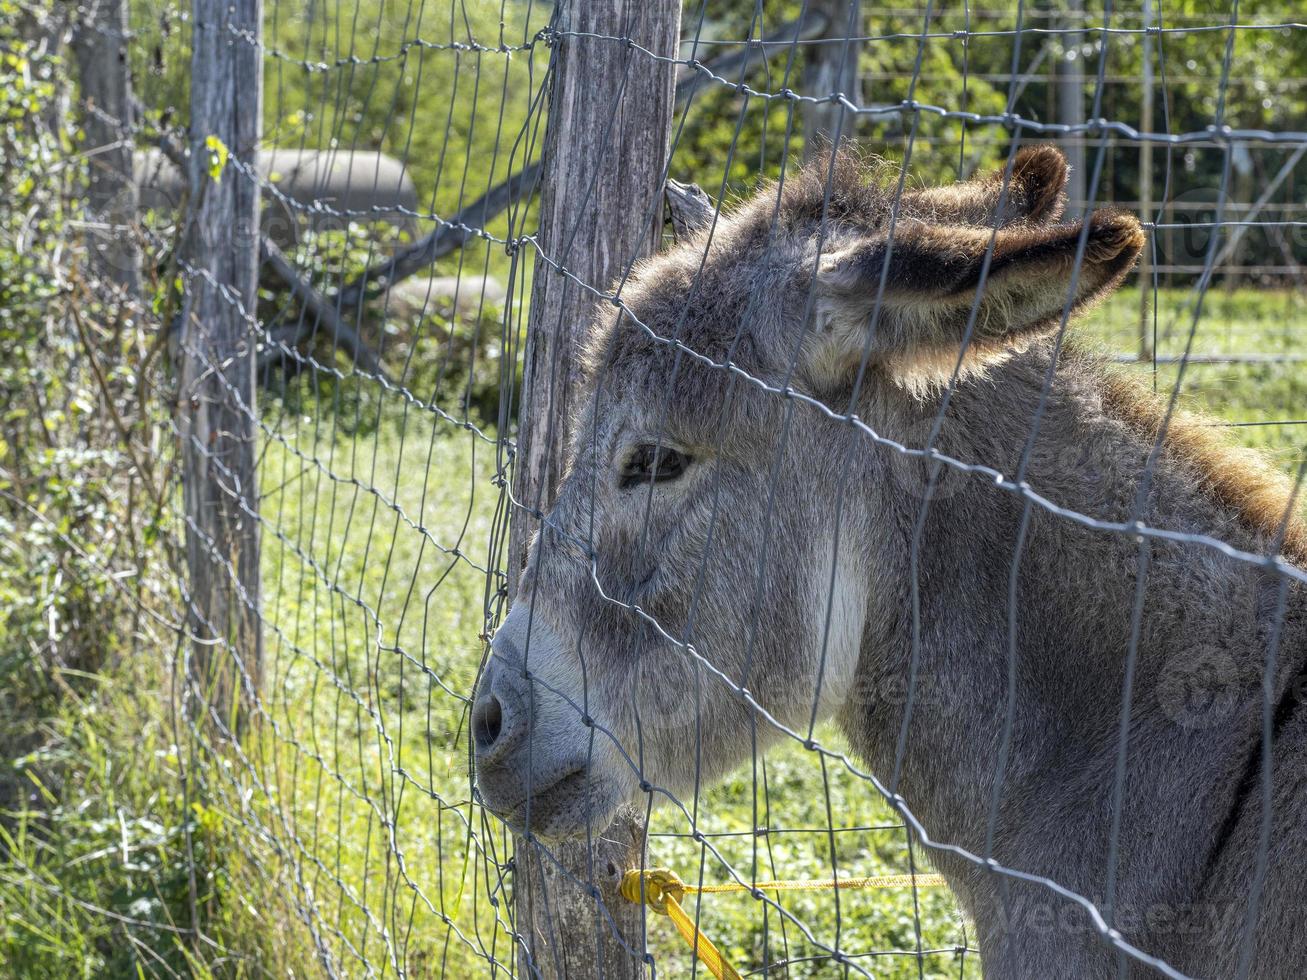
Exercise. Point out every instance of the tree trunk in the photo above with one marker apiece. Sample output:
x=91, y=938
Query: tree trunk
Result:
x=216, y=409
x=610, y=116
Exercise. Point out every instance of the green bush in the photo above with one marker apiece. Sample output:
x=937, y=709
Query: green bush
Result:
x=97, y=847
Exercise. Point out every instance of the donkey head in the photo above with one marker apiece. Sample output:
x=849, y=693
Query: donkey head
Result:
x=716, y=568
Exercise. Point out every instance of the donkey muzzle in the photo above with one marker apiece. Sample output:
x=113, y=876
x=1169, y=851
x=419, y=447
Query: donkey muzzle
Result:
x=533, y=751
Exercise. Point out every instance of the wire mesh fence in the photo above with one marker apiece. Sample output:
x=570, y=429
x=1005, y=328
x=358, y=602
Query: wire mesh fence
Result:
x=800, y=604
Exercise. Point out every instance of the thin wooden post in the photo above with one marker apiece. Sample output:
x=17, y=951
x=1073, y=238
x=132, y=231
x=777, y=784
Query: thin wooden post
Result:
x=1145, y=347
x=99, y=44
x=606, y=144
x=216, y=409
x=830, y=68
x=1071, y=99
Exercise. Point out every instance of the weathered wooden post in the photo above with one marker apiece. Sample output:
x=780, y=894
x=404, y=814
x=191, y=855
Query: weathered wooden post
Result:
x=1070, y=73
x=606, y=144
x=1145, y=345
x=216, y=353
x=99, y=44
x=829, y=68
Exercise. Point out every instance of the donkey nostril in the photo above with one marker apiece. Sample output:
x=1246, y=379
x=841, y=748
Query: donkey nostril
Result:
x=487, y=720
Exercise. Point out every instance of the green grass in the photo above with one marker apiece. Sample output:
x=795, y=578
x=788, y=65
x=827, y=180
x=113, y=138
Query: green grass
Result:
x=1262, y=398
x=798, y=800
x=360, y=732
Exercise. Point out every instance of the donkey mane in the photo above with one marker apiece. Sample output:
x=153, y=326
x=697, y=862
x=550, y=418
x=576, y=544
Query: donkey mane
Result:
x=1239, y=478
x=857, y=189
x=852, y=188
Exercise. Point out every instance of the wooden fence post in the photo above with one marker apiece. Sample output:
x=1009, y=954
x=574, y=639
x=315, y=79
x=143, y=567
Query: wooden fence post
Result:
x=606, y=144
x=216, y=353
x=829, y=68
x=99, y=44
x=1145, y=345
x=1071, y=78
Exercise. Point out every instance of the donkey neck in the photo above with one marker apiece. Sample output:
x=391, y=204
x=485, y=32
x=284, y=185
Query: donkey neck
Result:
x=1025, y=618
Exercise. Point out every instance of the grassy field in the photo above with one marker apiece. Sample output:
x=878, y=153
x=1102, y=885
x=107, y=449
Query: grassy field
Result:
x=378, y=516
x=1261, y=396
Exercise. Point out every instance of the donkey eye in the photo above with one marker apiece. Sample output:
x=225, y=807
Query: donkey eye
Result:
x=652, y=464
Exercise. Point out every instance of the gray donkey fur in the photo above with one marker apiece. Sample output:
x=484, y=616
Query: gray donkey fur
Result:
x=777, y=541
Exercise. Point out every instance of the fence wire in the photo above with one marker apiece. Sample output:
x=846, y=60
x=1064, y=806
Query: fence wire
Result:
x=341, y=820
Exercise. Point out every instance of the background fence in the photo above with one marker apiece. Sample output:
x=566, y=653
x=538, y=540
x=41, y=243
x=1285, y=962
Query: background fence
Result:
x=273, y=274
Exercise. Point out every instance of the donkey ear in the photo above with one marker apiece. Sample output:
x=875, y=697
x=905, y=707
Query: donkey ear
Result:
x=1033, y=193
x=931, y=286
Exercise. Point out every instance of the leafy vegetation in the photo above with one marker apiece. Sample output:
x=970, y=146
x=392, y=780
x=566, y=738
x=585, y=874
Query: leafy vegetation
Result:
x=96, y=842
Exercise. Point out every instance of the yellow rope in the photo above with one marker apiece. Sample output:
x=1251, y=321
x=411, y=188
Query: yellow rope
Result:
x=662, y=890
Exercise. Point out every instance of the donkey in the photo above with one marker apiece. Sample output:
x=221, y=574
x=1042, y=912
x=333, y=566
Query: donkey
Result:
x=782, y=504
